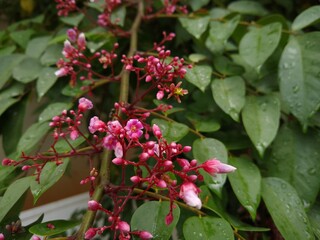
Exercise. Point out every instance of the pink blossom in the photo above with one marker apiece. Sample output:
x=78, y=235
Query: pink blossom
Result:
x=84, y=104
x=118, y=161
x=189, y=193
x=144, y=235
x=135, y=179
x=96, y=125
x=6, y=162
x=34, y=238
x=118, y=150
x=184, y=163
x=160, y=95
x=169, y=218
x=109, y=142
x=90, y=233
x=61, y=72
x=68, y=50
x=74, y=134
x=94, y=205
x=115, y=127
x=156, y=131
x=81, y=41
x=1, y=236
x=123, y=226
x=72, y=34
x=133, y=128
x=214, y=166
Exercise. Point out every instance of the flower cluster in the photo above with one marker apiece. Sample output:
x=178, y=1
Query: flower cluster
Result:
x=65, y=7
x=169, y=8
x=76, y=61
x=161, y=71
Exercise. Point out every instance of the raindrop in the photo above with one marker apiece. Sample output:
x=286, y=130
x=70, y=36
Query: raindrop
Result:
x=283, y=186
x=295, y=88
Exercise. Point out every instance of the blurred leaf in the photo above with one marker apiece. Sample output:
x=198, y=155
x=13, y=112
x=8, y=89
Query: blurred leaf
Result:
x=196, y=5
x=314, y=217
x=32, y=136
x=22, y=37
x=229, y=94
x=73, y=20
x=10, y=96
x=171, y=131
x=7, y=50
x=259, y=43
x=246, y=183
x=60, y=226
x=50, y=174
x=12, y=127
x=118, y=15
x=74, y=91
x=27, y=70
x=7, y=64
x=295, y=157
x=62, y=147
x=261, y=116
x=195, y=26
x=36, y=46
x=202, y=123
x=154, y=221
x=200, y=76
x=219, y=33
x=209, y=148
x=53, y=109
x=308, y=17
x=51, y=55
x=227, y=67
x=286, y=209
x=248, y=7
x=14, y=192
x=46, y=80
x=196, y=57
x=196, y=228
x=299, y=76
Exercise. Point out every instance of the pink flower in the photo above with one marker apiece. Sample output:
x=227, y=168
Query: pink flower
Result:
x=144, y=235
x=123, y=226
x=118, y=161
x=34, y=238
x=74, y=134
x=160, y=95
x=184, y=163
x=72, y=34
x=118, y=151
x=133, y=128
x=84, y=104
x=1, y=236
x=96, y=125
x=81, y=41
x=156, y=131
x=68, y=50
x=109, y=142
x=62, y=72
x=90, y=233
x=115, y=127
x=189, y=193
x=214, y=166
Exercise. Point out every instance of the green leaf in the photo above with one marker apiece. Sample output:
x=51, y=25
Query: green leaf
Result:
x=227, y=67
x=14, y=192
x=246, y=184
x=286, y=209
x=54, y=109
x=261, y=115
x=22, y=37
x=50, y=174
x=229, y=94
x=259, y=43
x=195, y=26
x=219, y=34
x=32, y=136
x=62, y=147
x=210, y=228
x=51, y=55
x=73, y=20
x=203, y=123
x=7, y=64
x=314, y=217
x=197, y=57
x=60, y=226
x=248, y=7
x=211, y=202
x=299, y=75
x=27, y=70
x=200, y=76
x=196, y=5
x=12, y=127
x=308, y=17
x=295, y=157
x=118, y=15
x=154, y=220
x=10, y=96
x=7, y=50
x=209, y=148
x=171, y=131
x=46, y=80
x=36, y=46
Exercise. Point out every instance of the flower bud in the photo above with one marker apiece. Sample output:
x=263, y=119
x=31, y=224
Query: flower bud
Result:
x=90, y=233
x=144, y=235
x=123, y=226
x=94, y=205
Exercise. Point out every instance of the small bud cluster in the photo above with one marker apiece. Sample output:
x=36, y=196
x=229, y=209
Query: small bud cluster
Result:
x=75, y=60
x=160, y=71
x=65, y=7
x=169, y=7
